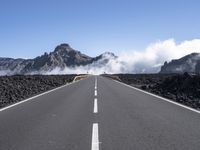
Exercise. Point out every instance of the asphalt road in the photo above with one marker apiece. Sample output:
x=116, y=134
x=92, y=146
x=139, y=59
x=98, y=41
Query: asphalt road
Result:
x=98, y=114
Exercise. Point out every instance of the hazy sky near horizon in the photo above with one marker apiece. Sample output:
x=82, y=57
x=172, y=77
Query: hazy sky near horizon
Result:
x=31, y=27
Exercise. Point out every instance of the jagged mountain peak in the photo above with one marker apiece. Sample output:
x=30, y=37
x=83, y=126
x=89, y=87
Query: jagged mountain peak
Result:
x=63, y=56
x=63, y=48
x=109, y=54
x=65, y=51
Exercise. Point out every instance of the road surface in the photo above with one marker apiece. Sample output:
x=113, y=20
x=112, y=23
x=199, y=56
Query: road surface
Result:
x=98, y=114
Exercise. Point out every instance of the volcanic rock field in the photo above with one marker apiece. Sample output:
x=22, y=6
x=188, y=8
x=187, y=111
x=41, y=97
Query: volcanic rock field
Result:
x=18, y=87
x=182, y=88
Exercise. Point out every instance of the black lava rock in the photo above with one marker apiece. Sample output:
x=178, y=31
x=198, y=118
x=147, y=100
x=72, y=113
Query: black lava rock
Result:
x=18, y=87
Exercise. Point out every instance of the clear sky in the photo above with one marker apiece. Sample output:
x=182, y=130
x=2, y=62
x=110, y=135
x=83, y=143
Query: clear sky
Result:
x=28, y=28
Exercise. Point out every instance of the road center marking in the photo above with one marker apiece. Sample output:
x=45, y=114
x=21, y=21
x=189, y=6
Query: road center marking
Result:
x=95, y=93
x=95, y=137
x=95, y=106
x=95, y=87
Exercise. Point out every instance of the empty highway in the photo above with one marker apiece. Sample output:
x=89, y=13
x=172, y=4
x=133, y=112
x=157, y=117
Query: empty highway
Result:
x=98, y=113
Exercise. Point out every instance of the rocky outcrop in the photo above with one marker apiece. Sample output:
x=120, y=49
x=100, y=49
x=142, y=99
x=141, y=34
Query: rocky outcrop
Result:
x=189, y=63
x=197, y=67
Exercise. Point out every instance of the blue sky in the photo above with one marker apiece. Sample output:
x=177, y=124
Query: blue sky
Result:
x=31, y=27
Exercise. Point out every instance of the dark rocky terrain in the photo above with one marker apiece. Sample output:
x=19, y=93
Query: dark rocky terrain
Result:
x=189, y=63
x=19, y=87
x=182, y=88
x=63, y=56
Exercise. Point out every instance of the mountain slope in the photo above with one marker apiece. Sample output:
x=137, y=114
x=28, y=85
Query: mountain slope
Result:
x=189, y=63
x=63, y=56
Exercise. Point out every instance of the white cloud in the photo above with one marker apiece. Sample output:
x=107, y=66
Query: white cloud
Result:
x=146, y=61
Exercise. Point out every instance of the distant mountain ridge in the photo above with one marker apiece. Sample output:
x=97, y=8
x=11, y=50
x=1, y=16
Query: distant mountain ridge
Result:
x=64, y=60
x=63, y=56
x=189, y=63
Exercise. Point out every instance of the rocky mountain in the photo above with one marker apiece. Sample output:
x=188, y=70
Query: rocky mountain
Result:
x=63, y=56
x=189, y=63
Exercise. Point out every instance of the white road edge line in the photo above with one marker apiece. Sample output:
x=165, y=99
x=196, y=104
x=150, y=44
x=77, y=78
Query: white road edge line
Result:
x=23, y=101
x=95, y=137
x=162, y=98
x=95, y=106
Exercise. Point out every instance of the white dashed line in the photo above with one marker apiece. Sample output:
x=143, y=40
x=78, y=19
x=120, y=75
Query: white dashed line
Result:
x=95, y=93
x=95, y=106
x=95, y=127
x=95, y=137
x=95, y=86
